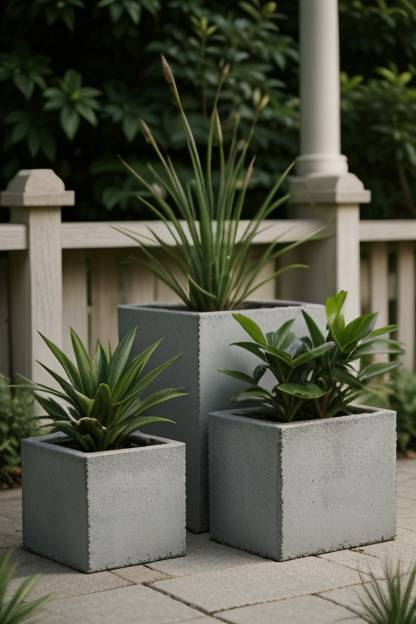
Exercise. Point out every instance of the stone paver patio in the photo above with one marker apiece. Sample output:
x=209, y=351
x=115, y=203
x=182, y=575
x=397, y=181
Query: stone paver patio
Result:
x=214, y=583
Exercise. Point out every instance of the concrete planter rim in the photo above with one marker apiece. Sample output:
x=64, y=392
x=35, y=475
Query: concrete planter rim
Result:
x=48, y=442
x=177, y=308
x=243, y=415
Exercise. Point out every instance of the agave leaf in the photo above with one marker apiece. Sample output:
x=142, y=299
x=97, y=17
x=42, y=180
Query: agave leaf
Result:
x=102, y=407
x=160, y=396
x=64, y=361
x=125, y=380
x=84, y=364
x=120, y=356
x=72, y=395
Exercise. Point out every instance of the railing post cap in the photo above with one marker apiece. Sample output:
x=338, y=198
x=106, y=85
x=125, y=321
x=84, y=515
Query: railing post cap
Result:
x=334, y=189
x=36, y=187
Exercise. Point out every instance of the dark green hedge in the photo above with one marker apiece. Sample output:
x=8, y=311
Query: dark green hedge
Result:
x=77, y=75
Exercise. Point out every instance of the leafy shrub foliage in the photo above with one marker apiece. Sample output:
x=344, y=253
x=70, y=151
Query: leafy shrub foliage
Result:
x=315, y=375
x=401, y=391
x=16, y=608
x=73, y=101
x=100, y=403
x=398, y=392
x=16, y=423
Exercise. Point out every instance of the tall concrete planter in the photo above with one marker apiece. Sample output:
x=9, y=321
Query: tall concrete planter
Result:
x=204, y=339
x=291, y=490
x=97, y=511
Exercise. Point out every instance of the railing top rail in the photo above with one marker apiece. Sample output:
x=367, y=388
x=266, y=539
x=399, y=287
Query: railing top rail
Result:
x=101, y=235
x=388, y=230
x=12, y=237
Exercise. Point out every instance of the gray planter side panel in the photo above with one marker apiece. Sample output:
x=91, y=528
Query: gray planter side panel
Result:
x=136, y=506
x=217, y=332
x=181, y=335
x=245, y=485
x=338, y=484
x=54, y=504
x=204, y=340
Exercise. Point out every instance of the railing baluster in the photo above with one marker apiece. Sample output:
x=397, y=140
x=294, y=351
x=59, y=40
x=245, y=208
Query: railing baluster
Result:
x=406, y=301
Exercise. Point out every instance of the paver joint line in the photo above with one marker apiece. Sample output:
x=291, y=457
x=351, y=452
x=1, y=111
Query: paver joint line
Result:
x=212, y=563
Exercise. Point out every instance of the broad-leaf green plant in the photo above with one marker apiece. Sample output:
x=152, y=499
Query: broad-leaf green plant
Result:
x=314, y=376
x=100, y=404
x=16, y=608
x=210, y=266
x=389, y=601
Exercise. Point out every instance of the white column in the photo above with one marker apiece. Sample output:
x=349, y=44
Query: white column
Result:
x=320, y=144
x=323, y=188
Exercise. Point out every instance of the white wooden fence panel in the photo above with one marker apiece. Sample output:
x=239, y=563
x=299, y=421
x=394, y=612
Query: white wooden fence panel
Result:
x=406, y=301
x=4, y=317
x=105, y=297
x=74, y=296
x=379, y=281
x=138, y=283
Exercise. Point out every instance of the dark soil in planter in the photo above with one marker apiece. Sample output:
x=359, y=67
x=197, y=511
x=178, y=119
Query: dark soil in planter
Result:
x=247, y=305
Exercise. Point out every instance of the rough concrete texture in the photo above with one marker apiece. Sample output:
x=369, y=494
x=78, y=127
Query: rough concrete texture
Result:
x=58, y=580
x=218, y=568
x=203, y=555
x=129, y=605
x=97, y=511
x=204, y=339
x=290, y=490
x=301, y=610
x=261, y=582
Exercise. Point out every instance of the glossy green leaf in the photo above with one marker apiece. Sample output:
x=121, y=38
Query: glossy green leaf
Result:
x=302, y=391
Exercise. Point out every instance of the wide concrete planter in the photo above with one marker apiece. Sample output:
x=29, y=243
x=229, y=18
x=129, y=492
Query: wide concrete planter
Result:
x=97, y=511
x=291, y=490
x=204, y=339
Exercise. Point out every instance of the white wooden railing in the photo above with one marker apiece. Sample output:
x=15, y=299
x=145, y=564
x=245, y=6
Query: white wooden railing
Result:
x=54, y=275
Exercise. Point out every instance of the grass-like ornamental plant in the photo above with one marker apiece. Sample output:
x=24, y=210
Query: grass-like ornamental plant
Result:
x=100, y=404
x=314, y=376
x=208, y=262
x=16, y=608
x=390, y=601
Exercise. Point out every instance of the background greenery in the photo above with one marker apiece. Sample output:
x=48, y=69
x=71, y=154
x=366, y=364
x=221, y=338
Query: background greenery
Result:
x=16, y=423
x=78, y=74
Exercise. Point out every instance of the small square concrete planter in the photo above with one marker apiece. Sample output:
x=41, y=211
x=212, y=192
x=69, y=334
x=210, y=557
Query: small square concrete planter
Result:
x=204, y=339
x=291, y=490
x=97, y=511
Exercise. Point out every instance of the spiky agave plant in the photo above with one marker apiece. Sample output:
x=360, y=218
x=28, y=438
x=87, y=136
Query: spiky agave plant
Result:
x=16, y=608
x=203, y=215
x=390, y=601
x=100, y=404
